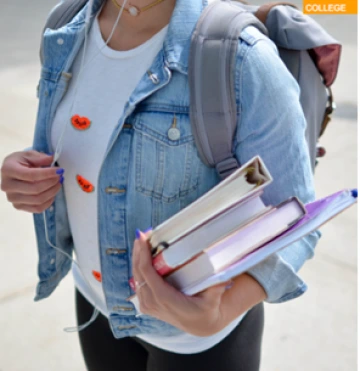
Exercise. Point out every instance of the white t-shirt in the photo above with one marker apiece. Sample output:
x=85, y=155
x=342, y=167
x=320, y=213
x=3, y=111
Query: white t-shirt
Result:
x=115, y=74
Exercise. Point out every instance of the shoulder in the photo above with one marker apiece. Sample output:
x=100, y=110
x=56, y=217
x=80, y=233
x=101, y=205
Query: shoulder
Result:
x=58, y=45
x=258, y=64
x=251, y=35
x=65, y=14
x=255, y=46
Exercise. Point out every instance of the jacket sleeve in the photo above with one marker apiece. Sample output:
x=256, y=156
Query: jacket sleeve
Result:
x=271, y=124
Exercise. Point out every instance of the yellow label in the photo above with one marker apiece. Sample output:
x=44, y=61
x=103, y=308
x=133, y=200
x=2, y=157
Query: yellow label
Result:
x=330, y=6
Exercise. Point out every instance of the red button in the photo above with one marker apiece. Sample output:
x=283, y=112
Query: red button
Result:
x=97, y=275
x=80, y=123
x=84, y=184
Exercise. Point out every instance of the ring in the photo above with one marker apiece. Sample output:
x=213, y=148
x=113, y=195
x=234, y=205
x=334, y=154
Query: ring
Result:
x=138, y=285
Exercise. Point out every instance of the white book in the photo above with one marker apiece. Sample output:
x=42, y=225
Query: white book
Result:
x=205, y=235
x=250, y=178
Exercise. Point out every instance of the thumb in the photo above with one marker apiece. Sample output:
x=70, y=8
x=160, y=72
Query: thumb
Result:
x=37, y=159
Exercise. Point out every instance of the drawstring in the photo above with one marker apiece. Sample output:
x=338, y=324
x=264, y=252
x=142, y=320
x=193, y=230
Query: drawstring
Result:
x=59, y=145
x=96, y=311
x=82, y=327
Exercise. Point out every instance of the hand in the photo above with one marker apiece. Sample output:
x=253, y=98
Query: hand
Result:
x=200, y=315
x=28, y=181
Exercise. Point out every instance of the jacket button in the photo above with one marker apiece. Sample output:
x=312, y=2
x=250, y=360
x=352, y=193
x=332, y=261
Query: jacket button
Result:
x=60, y=41
x=153, y=77
x=122, y=309
x=114, y=190
x=174, y=134
x=112, y=251
x=126, y=327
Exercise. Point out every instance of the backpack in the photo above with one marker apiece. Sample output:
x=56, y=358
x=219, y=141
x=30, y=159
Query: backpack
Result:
x=308, y=51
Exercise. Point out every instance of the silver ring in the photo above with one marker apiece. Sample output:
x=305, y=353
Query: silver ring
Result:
x=138, y=285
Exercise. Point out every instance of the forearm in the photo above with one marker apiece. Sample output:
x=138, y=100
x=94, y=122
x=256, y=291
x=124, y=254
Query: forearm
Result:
x=243, y=295
x=276, y=133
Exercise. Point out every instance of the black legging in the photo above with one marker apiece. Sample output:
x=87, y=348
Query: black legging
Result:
x=239, y=351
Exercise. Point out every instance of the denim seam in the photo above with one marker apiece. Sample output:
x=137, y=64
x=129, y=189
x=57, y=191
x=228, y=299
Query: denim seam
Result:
x=46, y=287
x=155, y=135
x=156, y=107
x=239, y=80
x=157, y=193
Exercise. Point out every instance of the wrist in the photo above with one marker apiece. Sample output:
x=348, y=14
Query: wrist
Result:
x=205, y=325
x=245, y=293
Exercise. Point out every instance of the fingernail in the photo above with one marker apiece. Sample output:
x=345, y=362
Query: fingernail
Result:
x=51, y=154
x=148, y=230
x=60, y=171
x=61, y=179
x=137, y=233
x=229, y=286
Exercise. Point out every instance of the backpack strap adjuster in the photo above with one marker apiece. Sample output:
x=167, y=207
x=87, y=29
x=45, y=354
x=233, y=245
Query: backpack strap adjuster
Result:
x=330, y=108
x=226, y=167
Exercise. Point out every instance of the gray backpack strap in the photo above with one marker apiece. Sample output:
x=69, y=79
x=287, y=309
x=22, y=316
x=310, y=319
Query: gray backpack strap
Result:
x=60, y=16
x=213, y=111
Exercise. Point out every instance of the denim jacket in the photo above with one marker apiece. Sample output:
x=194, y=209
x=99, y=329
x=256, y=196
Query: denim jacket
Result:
x=147, y=176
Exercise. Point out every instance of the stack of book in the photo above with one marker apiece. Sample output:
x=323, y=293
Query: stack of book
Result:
x=229, y=230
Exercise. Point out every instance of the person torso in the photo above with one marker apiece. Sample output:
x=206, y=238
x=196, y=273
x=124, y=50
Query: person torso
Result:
x=148, y=170
x=87, y=116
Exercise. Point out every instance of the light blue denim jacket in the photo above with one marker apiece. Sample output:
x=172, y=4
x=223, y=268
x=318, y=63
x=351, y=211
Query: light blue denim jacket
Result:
x=146, y=177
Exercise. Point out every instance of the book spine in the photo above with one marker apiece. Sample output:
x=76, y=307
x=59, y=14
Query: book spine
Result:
x=161, y=266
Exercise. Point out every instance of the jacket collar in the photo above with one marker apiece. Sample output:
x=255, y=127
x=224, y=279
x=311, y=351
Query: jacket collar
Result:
x=178, y=39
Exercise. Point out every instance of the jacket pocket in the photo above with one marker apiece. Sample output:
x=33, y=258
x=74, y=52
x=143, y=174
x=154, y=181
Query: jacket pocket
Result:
x=167, y=163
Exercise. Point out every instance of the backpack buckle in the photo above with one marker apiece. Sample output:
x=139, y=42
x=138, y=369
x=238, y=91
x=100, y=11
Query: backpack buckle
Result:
x=226, y=167
x=330, y=108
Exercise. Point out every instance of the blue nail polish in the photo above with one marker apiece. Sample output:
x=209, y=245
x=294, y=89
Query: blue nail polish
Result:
x=61, y=179
x=137, y=233
x=354, y=193
x=148, y=230
x=60, y=171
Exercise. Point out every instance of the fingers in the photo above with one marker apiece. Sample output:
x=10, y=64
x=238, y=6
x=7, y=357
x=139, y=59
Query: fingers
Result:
x=35, y=199
x=160, y=300
x=26, y=166
x=135, y=262
x=15, y=187
x=28, y=185
x=146, y=269
x=37, y=159
x=35, y=209
x=20, y=172
x=144, y=293
x=156, y=294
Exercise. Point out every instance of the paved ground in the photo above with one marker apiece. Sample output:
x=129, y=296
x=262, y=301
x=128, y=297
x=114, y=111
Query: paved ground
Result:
x=316, y=332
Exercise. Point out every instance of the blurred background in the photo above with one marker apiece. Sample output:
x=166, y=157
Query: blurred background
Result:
x=316, y=332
